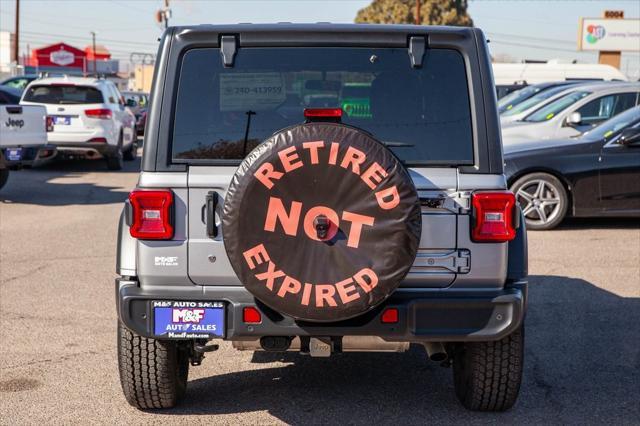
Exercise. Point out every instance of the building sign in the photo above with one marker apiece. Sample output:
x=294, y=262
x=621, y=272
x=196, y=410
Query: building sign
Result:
x=599, y=34
x=61, y=57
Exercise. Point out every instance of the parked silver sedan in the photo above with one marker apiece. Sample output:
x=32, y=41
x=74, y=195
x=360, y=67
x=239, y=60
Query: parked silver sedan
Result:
x=576, y=112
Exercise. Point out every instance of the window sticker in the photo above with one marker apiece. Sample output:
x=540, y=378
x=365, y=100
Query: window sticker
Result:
x=251, y=91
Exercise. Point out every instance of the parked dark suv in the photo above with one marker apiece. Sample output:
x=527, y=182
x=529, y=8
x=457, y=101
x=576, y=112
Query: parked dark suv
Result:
x=269, y=216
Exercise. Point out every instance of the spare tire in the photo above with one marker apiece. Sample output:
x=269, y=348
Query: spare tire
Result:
x=321, y=222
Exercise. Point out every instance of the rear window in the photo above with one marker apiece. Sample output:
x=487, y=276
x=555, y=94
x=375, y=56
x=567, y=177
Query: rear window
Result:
x=423, y=115
x=63, y=94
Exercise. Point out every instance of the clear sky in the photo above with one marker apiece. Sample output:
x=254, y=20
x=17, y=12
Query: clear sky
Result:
x=521, y=29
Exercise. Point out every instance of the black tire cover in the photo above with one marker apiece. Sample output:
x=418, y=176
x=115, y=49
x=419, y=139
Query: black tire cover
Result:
x=291, y=185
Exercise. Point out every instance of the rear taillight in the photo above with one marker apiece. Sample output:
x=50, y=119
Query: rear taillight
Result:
x=151, y=214
x=49, y=123
x=494, y=217
x=251, y=315
x=101, y=113
x=100, y=140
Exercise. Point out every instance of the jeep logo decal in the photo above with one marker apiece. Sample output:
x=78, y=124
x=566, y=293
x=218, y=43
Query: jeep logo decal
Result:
x=14, y=123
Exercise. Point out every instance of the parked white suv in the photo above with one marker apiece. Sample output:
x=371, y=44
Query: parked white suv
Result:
x=89, y=118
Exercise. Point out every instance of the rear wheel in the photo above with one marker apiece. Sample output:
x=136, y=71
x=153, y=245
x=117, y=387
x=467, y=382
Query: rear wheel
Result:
x=132, y=152
x=543, y=199
x=4, y=177
x=153, y=373
x=487, y=375
x=114, y=159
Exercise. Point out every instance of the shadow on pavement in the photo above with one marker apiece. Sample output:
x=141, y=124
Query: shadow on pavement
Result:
x=38, y=186
x=582, y=365
x=580, y=223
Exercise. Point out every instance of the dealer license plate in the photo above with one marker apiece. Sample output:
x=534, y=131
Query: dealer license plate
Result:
x=14, y=154
x=61, y=120
x=188, y=320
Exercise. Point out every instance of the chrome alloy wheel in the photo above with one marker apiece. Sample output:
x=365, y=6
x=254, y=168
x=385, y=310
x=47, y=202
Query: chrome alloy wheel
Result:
x=540, y=201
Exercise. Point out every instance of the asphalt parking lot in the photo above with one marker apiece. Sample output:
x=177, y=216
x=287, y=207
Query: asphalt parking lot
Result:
x=58, y=326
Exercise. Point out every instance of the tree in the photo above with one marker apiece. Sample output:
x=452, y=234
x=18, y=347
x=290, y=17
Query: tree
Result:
x=432, y=12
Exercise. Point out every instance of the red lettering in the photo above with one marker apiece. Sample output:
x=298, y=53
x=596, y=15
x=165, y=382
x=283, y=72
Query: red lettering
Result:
x=383, y=198
x=277, y=212
x=357, y=221
x=289, y=159
x=266, y=173
x=313, y=150
x=370, y=283
x=347, y=291
x=270, y=276
x=325, y=293
x=306, y=294
x=374, y=175
x=289, y=285
x=355, y=157
x=333, y=153
x=259, y=253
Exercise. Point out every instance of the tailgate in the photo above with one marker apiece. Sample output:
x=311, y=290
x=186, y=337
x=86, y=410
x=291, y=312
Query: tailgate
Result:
x=436, y=265
x=23, y=125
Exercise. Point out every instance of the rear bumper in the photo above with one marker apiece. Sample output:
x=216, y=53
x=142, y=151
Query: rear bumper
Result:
x=85, y=150
x=424, y=314
x=32, y=156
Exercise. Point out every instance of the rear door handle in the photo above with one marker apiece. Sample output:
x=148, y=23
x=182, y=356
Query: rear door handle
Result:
x=212, y=201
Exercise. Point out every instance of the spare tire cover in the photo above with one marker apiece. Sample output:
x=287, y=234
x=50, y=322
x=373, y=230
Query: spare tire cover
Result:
x=321, y=222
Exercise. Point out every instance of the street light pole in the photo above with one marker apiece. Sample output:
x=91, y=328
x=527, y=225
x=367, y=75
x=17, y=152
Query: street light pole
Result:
x=93, y=37
x=16, y=46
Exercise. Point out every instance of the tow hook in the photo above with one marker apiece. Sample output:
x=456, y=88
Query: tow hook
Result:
x=199, y=349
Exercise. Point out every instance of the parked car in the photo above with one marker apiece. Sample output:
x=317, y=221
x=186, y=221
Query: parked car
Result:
x=596, y=174
x=9, y=96
x=23, y=133
x=521, y=110
x=517, y=97
x=288, y=232
x=89, y=118
x=576, y=112
x=19, y=82
x=138, y=103
x=533, y=73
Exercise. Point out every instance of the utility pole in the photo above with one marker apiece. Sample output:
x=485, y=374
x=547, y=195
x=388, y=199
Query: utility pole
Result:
x=163, y=15
x=93, y=37
x=417, y=12
x=16, y=46
x=167, y=13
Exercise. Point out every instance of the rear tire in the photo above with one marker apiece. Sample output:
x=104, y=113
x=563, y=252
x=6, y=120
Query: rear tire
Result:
x=132, y=152
x=487, y=375
x=114, y=159
x=4, y=177
x=153, y=373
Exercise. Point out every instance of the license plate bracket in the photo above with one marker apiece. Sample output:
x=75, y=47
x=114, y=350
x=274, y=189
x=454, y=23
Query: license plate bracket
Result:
x=61, y=120
x=14, y=154
x=188, y=319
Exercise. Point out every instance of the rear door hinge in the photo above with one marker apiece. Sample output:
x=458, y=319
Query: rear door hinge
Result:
x=458, y=261
x=457, y=202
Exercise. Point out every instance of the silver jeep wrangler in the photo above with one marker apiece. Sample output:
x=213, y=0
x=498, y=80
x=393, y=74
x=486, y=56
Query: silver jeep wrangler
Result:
x=323, y=189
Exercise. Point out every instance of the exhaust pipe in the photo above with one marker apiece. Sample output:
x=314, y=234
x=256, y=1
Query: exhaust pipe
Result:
x=435, y=351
